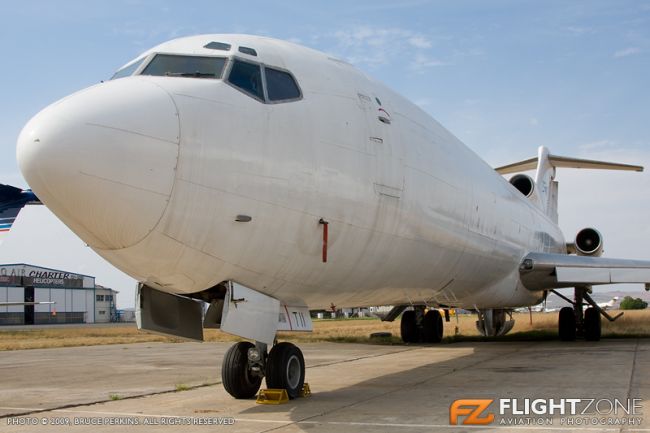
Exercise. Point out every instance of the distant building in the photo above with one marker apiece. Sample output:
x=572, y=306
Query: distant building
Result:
x=75, y=297
x=126, y=315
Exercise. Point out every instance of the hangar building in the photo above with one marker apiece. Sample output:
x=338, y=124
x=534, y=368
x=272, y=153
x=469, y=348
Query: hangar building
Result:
x=76, y=298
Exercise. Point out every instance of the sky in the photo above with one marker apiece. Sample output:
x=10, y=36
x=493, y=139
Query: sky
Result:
x=504, y=76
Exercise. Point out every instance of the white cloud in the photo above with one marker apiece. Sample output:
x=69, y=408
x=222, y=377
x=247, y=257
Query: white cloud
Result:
x=627, y=52
x=421, y=62
x=579, y=30
x=378, y=46
x=533, y=121
x=420, y=42
x=597, y=145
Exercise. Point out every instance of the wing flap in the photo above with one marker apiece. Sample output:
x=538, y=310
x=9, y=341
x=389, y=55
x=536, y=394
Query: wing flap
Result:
x=542, y=271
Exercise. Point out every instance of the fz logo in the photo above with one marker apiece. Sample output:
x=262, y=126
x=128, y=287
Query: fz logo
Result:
x=472, y=411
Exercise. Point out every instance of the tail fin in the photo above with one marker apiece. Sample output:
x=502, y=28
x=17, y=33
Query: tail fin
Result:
x=545, y=183
x=12, y=200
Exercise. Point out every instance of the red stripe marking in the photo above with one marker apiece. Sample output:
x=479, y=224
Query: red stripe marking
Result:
x=325, y=236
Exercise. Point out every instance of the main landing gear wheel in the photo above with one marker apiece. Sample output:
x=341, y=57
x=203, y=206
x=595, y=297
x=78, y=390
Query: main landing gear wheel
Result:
x=237, y=378
x=432, y=327
x=592, y=324
x=409, y=327
x=567, y=324
x=285, y=369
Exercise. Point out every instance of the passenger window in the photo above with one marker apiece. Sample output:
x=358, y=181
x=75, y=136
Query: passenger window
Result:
x=247, y=77
x=280, y=85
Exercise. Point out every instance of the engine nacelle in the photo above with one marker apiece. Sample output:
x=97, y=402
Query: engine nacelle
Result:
x=524, y=184
x=589, y=242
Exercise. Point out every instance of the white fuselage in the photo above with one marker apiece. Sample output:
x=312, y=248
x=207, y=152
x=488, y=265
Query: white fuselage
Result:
x=152, y=172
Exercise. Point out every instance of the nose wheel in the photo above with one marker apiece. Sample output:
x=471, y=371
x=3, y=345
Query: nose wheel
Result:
x=237, y=376
x=245, y=364
x=285, y=369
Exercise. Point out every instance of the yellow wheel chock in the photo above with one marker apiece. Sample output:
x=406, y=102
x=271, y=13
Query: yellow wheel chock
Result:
x=279, y=396
x=272, y=396
x=305, y=391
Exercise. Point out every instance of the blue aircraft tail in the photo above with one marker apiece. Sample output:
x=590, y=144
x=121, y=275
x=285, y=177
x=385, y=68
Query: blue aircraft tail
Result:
x=12, y=200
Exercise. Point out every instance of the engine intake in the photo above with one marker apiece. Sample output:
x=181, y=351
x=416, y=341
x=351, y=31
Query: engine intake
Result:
x=589, y=242
x=524, y=184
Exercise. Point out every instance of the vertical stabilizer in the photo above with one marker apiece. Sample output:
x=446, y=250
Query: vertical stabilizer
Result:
x=544, y=180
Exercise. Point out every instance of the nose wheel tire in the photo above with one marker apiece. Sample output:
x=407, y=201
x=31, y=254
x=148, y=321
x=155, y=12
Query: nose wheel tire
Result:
x=567, y=324
x=285, y=369
x=409, y=327
x=432, y=327
x=592, y=324
x=236, y=377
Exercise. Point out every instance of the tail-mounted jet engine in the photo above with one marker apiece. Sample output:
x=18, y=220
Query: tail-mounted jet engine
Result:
x=524, y=184
x=588, y=242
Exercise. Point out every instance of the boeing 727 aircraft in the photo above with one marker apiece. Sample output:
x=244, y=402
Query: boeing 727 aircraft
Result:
x=268, y=179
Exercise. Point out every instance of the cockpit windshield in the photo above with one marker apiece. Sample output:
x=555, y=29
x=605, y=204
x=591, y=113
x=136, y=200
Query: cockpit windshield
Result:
x=171, y=65
x=127, y=70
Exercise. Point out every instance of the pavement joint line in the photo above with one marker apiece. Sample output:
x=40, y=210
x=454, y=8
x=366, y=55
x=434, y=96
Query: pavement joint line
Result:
x=629, y=386
x=32, y=411
x=454, y=370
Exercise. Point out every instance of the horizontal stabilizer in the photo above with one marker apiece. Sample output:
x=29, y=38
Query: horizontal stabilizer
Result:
x=12, y=200
x=566, y=162
x=542, y=271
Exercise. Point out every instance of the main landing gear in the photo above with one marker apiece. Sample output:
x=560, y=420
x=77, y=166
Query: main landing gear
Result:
x=417, y=326
x=245, y=364
x=573, y=322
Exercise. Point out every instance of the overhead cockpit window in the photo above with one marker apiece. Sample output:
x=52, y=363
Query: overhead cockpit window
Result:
x=172, y=65
x=247, y=77
x=280, y=85
x=127, y=70
x=218, y=46
x=249, y=51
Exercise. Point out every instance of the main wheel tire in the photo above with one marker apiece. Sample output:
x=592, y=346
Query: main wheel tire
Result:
x=285, y=369
x=237, y=379
x=409, y=327
x=592, y=324
x=567, y=324
x=432, y=327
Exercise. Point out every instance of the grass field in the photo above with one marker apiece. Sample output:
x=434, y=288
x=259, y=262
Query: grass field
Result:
x=544, y=326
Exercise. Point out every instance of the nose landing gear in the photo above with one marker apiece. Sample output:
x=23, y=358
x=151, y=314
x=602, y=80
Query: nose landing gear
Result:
x=245, y=364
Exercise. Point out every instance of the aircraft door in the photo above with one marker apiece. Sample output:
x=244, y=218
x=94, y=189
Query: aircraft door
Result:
x=384, y=146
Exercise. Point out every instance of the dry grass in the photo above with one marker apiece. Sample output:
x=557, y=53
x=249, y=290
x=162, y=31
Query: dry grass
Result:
x=544, y=326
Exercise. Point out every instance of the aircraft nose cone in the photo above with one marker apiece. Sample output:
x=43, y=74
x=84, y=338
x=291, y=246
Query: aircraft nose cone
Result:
x=104, y=159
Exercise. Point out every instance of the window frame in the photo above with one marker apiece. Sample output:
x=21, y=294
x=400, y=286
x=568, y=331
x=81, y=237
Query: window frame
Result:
x=280, y=101
x=225, y=74
x=226, y=80
x=263, y=67
x=144, y=61
x=152, y=56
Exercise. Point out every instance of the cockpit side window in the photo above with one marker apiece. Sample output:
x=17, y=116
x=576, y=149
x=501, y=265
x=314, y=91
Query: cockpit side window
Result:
x=172, y=65
x=247, y=77
x=280, y=85
x=127, y=70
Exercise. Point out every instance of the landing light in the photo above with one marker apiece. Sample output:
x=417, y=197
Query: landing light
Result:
x=254, y=355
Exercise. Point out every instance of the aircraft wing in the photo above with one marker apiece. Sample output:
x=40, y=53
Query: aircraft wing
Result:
x=542, y=271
